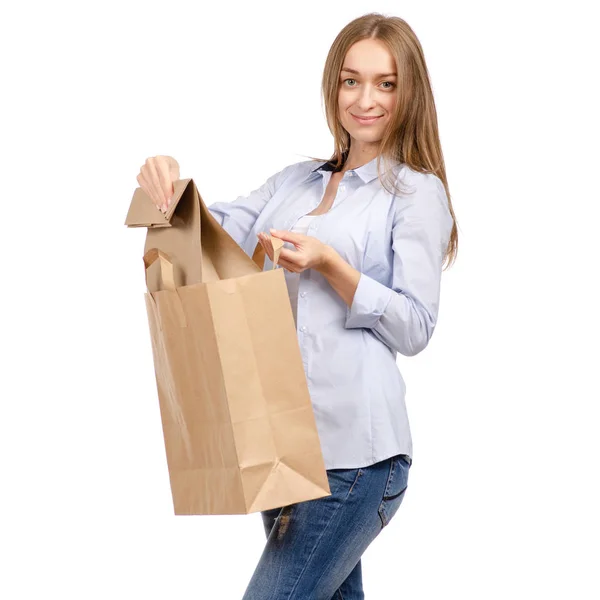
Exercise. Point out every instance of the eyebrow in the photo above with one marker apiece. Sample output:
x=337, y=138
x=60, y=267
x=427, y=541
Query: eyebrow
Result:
x=378, y=75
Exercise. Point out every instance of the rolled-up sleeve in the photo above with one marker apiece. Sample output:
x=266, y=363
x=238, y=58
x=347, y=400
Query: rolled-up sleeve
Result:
x=238, y=217
x=404, y=316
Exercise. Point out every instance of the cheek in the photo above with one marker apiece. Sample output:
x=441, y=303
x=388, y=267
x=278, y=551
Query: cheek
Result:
x=344, y=99
x=391, y=104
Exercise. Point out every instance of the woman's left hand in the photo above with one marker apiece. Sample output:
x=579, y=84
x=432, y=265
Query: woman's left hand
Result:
x=310, y=252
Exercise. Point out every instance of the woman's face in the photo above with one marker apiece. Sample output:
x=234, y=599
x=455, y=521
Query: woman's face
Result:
x=367, y=88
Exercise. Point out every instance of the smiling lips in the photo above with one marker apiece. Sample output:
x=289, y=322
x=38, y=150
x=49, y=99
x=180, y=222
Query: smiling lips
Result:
x=366, y=120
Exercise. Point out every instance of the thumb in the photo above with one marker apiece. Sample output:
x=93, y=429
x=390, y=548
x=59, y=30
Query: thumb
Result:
x=286, y=236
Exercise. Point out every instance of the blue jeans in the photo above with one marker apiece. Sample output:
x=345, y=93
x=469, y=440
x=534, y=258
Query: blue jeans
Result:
x=313, y=548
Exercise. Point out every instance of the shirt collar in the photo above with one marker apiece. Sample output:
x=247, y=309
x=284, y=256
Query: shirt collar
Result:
x=366, y=172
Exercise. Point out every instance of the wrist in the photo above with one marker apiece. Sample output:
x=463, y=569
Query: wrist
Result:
x=328, y=260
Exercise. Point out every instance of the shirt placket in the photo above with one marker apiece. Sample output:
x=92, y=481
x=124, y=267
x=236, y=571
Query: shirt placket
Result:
x=304, y=290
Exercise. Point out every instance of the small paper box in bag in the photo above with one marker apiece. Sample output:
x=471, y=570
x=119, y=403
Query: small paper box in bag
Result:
x=238, y=423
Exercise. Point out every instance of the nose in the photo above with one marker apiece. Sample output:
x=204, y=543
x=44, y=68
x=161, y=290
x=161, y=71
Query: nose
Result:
x=366, y=99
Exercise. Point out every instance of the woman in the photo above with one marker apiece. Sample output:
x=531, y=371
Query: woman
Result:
x=363, y=266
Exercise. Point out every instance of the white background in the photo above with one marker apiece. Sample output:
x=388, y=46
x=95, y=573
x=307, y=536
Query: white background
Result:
x=503, y=495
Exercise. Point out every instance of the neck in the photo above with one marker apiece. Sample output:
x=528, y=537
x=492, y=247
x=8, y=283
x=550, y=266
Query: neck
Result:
x=357, y=157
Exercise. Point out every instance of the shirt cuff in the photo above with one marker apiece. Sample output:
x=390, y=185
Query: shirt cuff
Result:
x=369, y=303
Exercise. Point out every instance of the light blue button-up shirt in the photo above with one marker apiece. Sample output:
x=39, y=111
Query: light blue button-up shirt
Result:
x=397, y=242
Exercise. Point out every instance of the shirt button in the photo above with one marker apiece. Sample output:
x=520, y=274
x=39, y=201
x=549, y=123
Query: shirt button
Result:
x=303, y=294
x=342, y=188
x=303, y=328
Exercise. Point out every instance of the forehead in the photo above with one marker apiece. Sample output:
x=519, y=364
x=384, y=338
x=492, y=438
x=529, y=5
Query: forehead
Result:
x=370, y=58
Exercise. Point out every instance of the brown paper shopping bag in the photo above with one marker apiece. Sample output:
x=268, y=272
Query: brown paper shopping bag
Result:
x=238, y=424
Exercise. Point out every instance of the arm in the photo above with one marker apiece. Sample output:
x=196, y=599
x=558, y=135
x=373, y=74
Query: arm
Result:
x=404, y=316
x=238, y=217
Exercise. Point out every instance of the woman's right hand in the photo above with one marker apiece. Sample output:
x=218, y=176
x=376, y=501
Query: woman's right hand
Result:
x=156, y=179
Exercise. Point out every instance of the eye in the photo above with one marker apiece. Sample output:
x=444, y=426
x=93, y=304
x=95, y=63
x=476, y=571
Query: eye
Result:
x=392, y=85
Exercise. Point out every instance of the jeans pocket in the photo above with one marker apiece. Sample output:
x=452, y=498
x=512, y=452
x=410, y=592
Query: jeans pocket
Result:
x=395, y=488
x=343, y=481
x=406, y=458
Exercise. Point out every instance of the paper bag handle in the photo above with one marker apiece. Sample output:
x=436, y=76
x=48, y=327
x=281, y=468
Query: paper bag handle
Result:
x=166, y=267
x=259, y=252
x=277, y=245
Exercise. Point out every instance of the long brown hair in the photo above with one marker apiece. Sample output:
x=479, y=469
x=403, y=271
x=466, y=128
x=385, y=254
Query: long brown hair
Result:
x=412, y=135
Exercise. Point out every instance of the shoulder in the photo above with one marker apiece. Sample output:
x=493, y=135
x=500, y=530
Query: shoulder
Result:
x=307, y=166
x=421, y=182
x=420, y=194
x=297, y=171
x=302, y=167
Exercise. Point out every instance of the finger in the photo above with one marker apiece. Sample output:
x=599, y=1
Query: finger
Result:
x=146, y=186
x=268, y=243
x=164, y=178
x=289, y=255
x=155, y=181
x=266, y=248
x=150, y=188
x=287, y=236
x=296, y=259
x=288, y=265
